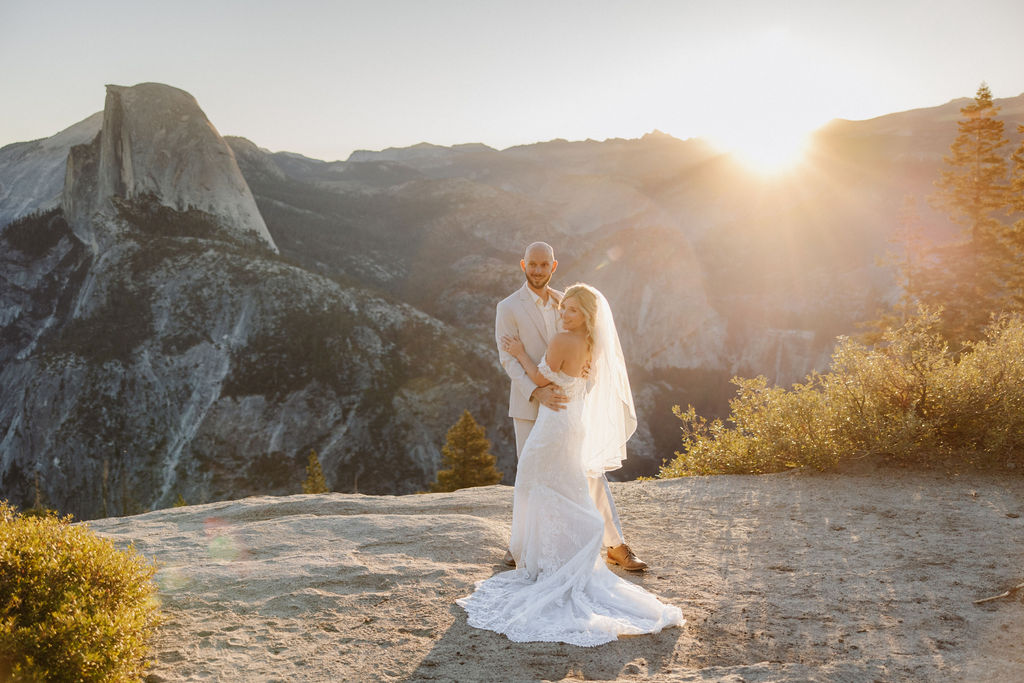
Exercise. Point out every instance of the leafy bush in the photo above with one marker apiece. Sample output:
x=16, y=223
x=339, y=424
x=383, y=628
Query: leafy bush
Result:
x=72, y=606
x=908, y=399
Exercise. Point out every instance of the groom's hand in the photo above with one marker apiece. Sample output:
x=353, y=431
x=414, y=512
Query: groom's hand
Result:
x=551, y=396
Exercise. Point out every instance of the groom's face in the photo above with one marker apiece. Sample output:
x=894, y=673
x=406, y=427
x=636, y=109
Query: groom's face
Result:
x=538, y=265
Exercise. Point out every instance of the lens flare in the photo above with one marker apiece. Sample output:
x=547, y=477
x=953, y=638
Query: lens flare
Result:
x=224, y=544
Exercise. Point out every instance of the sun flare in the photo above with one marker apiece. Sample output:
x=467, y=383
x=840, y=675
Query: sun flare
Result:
x=760, y=99
x=768, y=152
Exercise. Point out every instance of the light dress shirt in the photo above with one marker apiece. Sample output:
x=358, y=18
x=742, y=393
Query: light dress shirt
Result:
x=548, y=311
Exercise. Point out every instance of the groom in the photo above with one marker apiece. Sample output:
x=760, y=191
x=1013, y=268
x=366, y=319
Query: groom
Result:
x=531, y=313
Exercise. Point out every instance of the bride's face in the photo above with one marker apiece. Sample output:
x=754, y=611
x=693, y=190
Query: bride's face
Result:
x=572, y=315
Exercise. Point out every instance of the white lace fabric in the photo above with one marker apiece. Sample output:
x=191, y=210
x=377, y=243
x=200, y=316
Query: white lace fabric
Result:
x=561, y=590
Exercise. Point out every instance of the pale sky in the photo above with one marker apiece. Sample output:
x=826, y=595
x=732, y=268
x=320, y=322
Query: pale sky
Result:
x=325, y=77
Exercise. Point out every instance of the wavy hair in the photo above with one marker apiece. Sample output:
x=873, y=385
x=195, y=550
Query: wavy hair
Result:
x=586, y=296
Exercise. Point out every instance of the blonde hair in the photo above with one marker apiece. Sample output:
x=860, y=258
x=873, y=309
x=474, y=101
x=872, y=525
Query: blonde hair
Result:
x=587, y=298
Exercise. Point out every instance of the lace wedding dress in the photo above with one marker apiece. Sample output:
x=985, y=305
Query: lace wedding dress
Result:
x=561, y=590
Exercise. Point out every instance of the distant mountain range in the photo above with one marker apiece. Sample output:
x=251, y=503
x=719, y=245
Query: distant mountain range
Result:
x=186, y=314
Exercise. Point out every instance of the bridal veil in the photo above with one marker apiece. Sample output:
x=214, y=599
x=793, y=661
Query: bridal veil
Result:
x=609, y=416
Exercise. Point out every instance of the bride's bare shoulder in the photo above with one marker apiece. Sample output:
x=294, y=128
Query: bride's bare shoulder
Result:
x=567, y=342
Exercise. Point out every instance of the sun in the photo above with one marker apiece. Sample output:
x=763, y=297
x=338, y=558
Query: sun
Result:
x=759, y=97
x=770, y=150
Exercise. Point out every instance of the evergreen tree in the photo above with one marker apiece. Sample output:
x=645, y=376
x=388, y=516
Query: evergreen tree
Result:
x=315, y=482
x=468, y=457
x=39, y=508
x=973, y=190
x=969, y=278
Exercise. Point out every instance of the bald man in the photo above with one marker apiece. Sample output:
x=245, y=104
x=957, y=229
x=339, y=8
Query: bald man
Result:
x=531, y=313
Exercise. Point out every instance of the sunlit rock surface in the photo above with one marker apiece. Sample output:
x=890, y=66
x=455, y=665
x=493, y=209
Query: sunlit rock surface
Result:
x=781, y=578
x=32, y=173
x=157, y=142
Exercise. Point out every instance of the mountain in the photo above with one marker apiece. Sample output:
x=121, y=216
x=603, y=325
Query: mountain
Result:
x=156, y=142
x=155, y=344
x=741, y=273
x=194, y=313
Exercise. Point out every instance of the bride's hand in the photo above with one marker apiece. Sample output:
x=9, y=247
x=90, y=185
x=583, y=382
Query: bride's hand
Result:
x=513, y=345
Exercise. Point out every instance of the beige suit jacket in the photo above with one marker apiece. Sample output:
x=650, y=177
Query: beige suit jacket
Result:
x=517, y=315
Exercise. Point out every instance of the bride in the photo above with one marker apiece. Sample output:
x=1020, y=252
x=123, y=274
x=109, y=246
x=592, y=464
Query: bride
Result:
x=561, y=590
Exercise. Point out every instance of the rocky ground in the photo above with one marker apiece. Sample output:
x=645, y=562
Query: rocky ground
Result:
x=791, y=577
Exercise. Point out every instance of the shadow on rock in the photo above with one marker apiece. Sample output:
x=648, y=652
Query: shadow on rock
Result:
x=465, y=653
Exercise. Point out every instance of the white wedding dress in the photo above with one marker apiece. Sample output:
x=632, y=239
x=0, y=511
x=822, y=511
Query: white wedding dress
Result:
x=561, y=590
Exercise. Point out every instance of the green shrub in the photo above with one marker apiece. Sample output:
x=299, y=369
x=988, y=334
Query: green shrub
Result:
x=72, y=606
x=467, y=452
x=907, y=399
x=315, y=482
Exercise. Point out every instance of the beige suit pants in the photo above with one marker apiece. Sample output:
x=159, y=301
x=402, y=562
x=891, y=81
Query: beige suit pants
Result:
x=599, y=490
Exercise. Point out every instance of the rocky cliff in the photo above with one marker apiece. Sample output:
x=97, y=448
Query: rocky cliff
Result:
x=155, y=345
x=32, y=173
x=157, y=143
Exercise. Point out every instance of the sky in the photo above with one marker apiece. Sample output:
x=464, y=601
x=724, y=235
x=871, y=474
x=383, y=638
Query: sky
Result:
x=326, y=77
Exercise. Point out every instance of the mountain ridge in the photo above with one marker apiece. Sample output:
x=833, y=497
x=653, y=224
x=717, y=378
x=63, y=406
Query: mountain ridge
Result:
x=150, y=347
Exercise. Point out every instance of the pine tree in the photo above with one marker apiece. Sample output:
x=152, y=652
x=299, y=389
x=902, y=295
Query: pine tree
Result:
x=467, y=455
x=315, y=482
x=38, y=508
x=974, y=189
x=969, y=277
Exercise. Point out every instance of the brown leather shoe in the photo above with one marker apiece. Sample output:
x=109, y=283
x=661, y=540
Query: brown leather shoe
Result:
x=624, y=556
x=508, y=560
